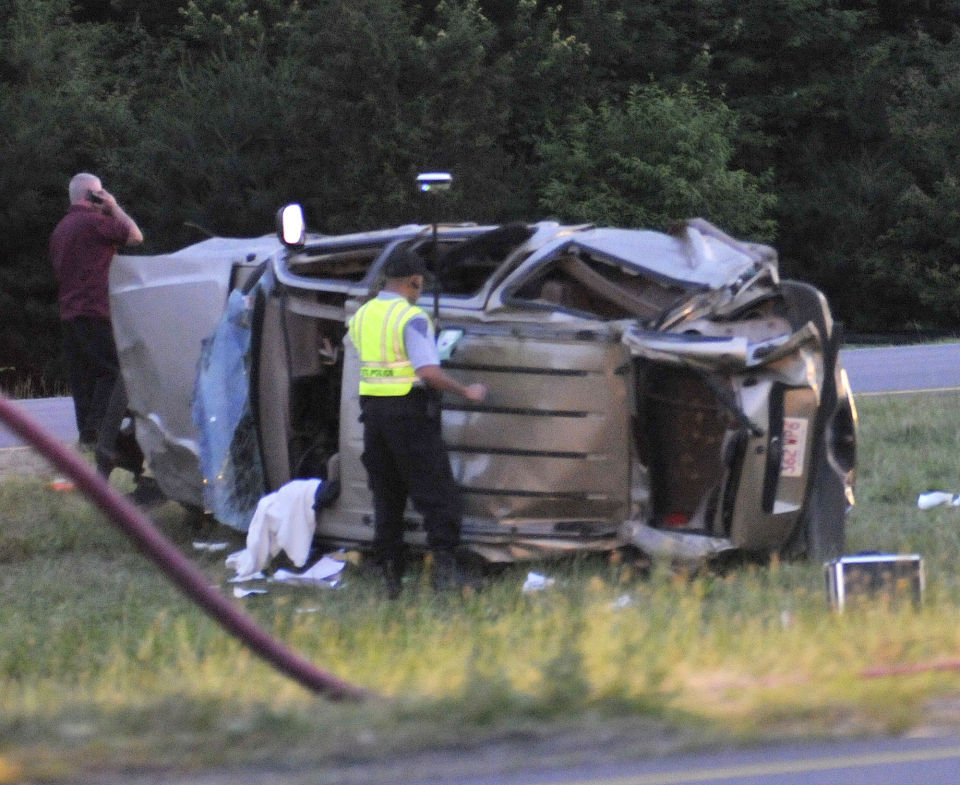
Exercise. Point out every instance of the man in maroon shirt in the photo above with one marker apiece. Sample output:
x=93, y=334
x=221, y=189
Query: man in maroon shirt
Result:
x=81, y=249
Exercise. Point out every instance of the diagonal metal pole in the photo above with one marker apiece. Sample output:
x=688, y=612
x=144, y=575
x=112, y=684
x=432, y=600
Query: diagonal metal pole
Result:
x=171, y=561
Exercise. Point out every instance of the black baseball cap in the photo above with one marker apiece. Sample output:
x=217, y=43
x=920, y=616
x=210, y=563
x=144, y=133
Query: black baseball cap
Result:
x=403, y=263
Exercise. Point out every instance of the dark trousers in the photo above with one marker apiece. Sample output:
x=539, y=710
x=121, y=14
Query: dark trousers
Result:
x=116, y=448
x=405, y=457
x=92, y=368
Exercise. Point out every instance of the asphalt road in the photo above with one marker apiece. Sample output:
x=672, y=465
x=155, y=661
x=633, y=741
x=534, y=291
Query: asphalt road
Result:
x=54, y=414
x=866, y=762
x=901, y=369
x=883, y=370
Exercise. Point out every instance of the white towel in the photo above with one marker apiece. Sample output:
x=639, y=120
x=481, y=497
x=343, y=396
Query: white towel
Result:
x=283, y=521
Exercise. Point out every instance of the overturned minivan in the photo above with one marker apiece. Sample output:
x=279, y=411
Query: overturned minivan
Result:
x=665, y=391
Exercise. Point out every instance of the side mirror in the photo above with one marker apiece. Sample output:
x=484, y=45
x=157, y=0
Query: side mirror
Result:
x=431, y=182
x=291, y=228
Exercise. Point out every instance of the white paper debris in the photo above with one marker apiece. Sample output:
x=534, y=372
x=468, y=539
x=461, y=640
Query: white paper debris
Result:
x=536, y=582
x=324, y=574
x=926, y=501
x=213, y=547
x=257, y=576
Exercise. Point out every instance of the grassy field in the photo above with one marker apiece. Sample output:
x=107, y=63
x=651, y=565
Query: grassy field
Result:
x=103, y=665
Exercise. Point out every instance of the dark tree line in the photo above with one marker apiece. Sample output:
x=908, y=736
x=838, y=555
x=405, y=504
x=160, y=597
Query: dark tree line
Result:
x=826, y=128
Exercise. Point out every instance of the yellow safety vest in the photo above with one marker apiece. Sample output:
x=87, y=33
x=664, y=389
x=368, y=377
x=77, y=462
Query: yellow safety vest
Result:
x=376, y=329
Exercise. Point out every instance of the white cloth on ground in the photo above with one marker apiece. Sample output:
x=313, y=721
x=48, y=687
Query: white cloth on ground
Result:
x=283, y=521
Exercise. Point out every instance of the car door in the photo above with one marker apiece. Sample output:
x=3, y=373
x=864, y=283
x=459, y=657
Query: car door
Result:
x=163, y=307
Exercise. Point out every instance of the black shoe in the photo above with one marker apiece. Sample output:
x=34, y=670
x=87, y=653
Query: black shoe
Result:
x=147, y=493
x=106, y=461
x=393, y=578
x=448, y=573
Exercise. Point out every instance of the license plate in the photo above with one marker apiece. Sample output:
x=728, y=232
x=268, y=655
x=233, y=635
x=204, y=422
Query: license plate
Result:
x=794, y=446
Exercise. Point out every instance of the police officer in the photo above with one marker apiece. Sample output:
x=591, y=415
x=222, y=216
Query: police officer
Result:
x=404, y=455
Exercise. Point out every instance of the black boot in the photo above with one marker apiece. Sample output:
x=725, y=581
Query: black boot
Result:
x=448, y=573
x=393, y=578
x=444, y=570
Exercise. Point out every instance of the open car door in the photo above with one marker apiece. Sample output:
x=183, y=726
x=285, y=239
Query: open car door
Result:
x=163, y=307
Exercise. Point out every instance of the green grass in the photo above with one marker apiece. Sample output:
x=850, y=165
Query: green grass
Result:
x=104, y=664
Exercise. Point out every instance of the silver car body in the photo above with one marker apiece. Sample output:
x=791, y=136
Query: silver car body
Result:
x=663, y=391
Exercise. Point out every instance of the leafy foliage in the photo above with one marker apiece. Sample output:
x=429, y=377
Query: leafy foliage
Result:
x=828, y=129
x=658, y=159
x=60, y=113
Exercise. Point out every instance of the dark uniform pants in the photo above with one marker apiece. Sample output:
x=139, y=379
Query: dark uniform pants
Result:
x=405, y=457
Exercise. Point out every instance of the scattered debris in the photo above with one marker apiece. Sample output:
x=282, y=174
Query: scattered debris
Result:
x=255, y=576
x=926, y=501
x=536, y=582
x=875, y=576
x=284, y=521
x=212, y=547
x=325, y=574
